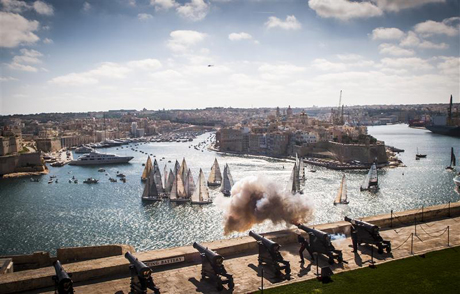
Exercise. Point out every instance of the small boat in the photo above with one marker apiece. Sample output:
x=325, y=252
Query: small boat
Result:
x=457, y=181
x=75, y=181
x=50, y=181
x=90, y=181
x=101, y=170
x=123, y=180
x=34, y=180
x=178, y=192
x=342, y=193
x=313, y=171
x=70, y=181
x=452, y=160
x=121, y=175
x=371, y=182
x=418, y=155
x=215, y=177
x=113, y=180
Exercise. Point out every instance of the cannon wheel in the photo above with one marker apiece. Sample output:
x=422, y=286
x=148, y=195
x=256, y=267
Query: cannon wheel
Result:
x=380, y=250
x=330, y=260
x=231, y=285
x=388, y=249
x=340, y=259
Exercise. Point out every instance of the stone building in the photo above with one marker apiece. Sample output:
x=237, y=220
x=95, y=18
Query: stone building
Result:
x=48, y=144
x=9, y=145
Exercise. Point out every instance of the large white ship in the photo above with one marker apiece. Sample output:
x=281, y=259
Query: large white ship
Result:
x=95, y=158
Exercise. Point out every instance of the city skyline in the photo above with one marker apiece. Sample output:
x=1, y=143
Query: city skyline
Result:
x=79, y=56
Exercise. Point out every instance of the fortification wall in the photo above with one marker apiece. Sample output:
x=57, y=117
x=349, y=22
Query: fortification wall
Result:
x=118, y=265
x=27, y=162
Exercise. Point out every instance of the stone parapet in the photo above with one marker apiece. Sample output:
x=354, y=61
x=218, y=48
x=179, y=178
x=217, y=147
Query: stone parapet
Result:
x=106, y=267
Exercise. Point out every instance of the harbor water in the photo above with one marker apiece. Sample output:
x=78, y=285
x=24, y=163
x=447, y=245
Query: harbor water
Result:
x=37, y=216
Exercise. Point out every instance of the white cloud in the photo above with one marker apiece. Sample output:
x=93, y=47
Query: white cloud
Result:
x=28, y=56
x=14, y=5
x=74, y=79
x=407, y=63
x=144, y=16
x=387, y=34
x=22, y=67
x=195, y=10
x=132, y=3
x=16, y=30
x=394, y=50
x=163, y=4
x=86, y=6
x=349, y=57
x=48, y=41
x=291, y=23
x=166, y=74
x=43, y=8
x=326, y=65
x=109, y=70
x=182, y=40
x=239, y=36
x=397, y=5
x=431, y=27
x=282, y=69
x=7, y=79
x=344, y=9
x=450, y=66
x=145, y=64
x=411, y=40
x=431, y=45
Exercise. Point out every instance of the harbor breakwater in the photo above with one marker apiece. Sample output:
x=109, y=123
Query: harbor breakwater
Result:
x=186, y=255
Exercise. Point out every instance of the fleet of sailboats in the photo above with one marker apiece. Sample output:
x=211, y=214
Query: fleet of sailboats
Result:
x=342, y=193
x=227, y=181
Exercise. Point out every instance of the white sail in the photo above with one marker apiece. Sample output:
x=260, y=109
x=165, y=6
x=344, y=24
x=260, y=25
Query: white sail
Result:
x=201, y=194
x=189, y=184
x=215, y=177
x=148, y=167
x=183, y=170
x=165, y=178
x=150, y=189
x=302, y=170
x=176, y=167
x=179, y=188
x=227, y=181
x=371, y=180
x=342, y=193
x=173, y=194
x=292, y=186
x=157, y=176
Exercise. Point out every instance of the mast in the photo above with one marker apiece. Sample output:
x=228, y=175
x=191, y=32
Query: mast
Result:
x=165, y=172
x=183, y=170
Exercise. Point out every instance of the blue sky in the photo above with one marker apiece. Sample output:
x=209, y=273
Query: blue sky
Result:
x=72, y=55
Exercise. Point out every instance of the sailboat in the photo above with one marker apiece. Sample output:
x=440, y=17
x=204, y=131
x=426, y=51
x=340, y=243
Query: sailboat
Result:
x=170, y=182
x=165, y=178
x=342, y=193
x=371, y=182
x=294, y=182
x=147, y=168
x=176, y=167
x=215, y=177
x=189, y=184
x=227, y=181
x=201, y=194
x=452, y=160
x=150, y=190
x=418, y=155
x=178, y=193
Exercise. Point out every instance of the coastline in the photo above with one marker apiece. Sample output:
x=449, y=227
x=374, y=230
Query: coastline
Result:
x=45, y=171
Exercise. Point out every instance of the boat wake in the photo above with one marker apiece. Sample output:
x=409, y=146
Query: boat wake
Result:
x=254, y=200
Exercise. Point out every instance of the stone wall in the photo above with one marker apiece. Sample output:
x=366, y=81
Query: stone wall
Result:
x=72, y=254
x=9, y=145
x=48, y=145
x=27, y=162
x=346, y=152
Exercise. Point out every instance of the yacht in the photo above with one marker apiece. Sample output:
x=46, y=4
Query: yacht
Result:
x=84, y=149
x=95, y=158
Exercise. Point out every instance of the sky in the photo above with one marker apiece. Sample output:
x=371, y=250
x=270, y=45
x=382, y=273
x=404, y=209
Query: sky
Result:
x=97, y=55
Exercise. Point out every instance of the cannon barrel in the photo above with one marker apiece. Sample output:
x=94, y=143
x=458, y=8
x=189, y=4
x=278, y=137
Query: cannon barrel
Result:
x=61, y=274
x=212, y=256
x=319, y=234
x=141, y=269
x=269, y=244
x=62, y=279
x=369, y=227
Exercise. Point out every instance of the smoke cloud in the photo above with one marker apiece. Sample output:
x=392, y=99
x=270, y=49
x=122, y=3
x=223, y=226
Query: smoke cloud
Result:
x=255, y=200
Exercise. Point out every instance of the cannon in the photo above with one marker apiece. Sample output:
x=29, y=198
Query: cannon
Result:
x=212, y=267
x=320, y=242
x=368, y=234
x=141, y=276
x=269, y=253
x=63, y=283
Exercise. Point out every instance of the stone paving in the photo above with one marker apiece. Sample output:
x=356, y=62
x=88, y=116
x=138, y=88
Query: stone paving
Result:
x=430, y=236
